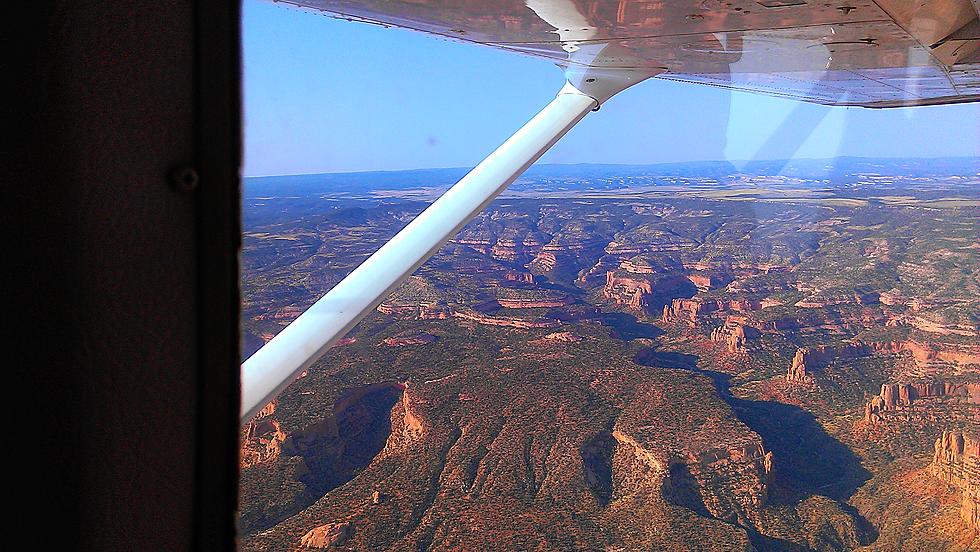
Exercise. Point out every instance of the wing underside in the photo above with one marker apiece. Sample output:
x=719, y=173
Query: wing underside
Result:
x=839, y=52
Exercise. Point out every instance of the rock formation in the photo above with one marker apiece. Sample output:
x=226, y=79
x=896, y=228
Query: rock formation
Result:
x=543, y=262
x=522, y=277
x=896, y=397
x=733, y=334
x=808, y=359
x=693, y=311
x=262, y=439
x=416, y=299
x=706, y=281
x=509, y=250
x=625, y=290
x=408, y=340
x=488, y=320
x=529, y=298
x=414, y=312
x=923, y=353
x=412, y=428
x=797, y=372
x=731, y=482
x=327, y=536
x=564, y=337
x=957, y=462
x=688, y=310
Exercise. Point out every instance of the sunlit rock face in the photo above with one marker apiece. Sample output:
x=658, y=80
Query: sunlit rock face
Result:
x=954, y=401
x=630, y=291
x=629, y=372
x=262, y=438
x=734, y=334
x=807, y=360
x=957, y=462
x=327, y=536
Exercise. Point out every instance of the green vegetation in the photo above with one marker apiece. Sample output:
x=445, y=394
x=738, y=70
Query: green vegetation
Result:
x=645, y=419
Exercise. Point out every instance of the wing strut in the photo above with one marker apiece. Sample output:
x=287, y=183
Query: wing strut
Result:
x=300, y=344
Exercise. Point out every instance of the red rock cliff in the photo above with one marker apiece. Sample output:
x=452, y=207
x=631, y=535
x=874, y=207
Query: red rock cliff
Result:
x=733, y=334
x=957, y=462
x=896, y=396
x=625, y=290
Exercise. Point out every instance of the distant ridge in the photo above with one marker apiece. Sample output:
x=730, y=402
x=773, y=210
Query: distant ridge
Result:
x=362, y=182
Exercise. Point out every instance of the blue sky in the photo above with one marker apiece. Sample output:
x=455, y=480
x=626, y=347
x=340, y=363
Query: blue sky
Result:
x=326, y=95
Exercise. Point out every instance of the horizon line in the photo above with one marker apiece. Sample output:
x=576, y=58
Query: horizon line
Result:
x=733, y=161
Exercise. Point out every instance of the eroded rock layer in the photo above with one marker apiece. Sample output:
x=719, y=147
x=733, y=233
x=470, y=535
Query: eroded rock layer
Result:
x=957, y=462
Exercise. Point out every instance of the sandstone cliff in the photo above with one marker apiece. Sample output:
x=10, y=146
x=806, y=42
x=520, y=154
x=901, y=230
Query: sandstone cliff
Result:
x=957, y=462
x=734, y=334
x=262, y=438
x=327, y=536
x=896, y=398
x=694, y=311
x=625, y=290
x=488, y=320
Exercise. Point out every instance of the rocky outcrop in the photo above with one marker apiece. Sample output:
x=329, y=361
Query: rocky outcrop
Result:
x=563, y=337
x=923, y=353
x=481, y=318
x=521, y=277
x=625, y=290
x=730, y=482
x=267, y=410
x=285, y=313
x=531, y=298
x=931, y=325
x=412, y=427
x=693, y=311
x=414, y=312
x=409, y=340
x=808, y=359
x=262, y=439
x=797, y=372
x=957, y=462
x=416, y=299
x=893, y=297
x=508, y=250
x=734, y=334
x=744, y=472
x=543, y=263
x=479, y=244
x=327, y=536
x=895, y=397
x=535, y=303
x=687, y=310
x=706, y=281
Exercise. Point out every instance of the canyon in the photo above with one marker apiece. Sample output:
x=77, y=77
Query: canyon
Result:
x=685, y=373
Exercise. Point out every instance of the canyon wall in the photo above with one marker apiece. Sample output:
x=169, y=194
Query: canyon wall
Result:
x=898, y=398
x=957, y=462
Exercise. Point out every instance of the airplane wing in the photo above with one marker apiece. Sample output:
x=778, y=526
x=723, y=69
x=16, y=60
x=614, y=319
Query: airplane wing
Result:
x=883, y=53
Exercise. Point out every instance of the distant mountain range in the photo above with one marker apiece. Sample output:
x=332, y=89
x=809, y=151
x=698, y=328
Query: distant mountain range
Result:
x=361, y=182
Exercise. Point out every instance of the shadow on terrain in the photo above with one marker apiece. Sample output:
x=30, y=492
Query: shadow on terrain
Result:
x=627, y=327
x=334, y=450
x=682, y=490
x=682, y=289
x=808, y=461
x=597, y=454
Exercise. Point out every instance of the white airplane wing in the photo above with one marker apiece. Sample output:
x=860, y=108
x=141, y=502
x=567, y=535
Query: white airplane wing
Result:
x=882, y=53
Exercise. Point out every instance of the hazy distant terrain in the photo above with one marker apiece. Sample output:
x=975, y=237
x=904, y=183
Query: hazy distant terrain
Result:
x=682, y=357
x=843, y=172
